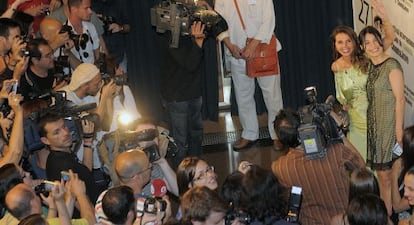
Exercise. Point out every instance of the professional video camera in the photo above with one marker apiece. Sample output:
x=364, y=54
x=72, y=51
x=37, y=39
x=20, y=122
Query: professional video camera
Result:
x=80, y=40
x=317, y=128
x=178, y=16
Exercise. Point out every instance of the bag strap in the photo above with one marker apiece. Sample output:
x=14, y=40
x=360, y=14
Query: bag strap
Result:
x=238, y=13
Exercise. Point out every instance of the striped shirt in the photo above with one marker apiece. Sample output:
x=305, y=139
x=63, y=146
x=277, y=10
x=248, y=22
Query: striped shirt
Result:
x=324, y=182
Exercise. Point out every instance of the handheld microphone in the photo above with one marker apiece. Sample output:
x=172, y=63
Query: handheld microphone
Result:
x=158, y=187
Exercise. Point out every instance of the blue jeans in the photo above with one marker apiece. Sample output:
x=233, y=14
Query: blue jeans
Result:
x=187, y=128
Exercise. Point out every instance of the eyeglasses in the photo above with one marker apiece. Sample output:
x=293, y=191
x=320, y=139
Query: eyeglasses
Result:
x=142, y=171
x=148, y=168
x=204, y=173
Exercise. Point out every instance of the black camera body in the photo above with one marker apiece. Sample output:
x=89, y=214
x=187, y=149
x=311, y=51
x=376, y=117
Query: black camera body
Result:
x=244, y=218
x=61, y=67
x=45, y=187
x=294, y=204
x=154, y=204
x=178, y=16
x=131, y=139
x=107, y=21
x=80, y=40
x=317, y=128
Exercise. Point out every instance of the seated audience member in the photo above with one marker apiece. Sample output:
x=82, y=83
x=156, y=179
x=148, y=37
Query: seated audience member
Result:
x=56, y=135
x=401, y=207
x=112, y=145
x=194, y=171
x=133, y=170
x=409, y=195
x=201, y=205
x=231, y=190
x=329, y=174
x=361, y=182
x=367, y=209
x=258, y=186
x=11, y=137
x=118, y=204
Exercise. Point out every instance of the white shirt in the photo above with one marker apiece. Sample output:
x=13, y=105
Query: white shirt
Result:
x=92, y=44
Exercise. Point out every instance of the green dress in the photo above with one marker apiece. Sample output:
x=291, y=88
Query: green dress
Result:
x=350, y=87
x=381, y=115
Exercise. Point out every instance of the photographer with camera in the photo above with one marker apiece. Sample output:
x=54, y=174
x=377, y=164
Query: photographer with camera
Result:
x=86, y=87
x=133, y=169
x=181, y=90
x=115, y=28
x=324, y=180
x=145, y=134
x=55, y=134
x=12, y=62
x=39, y=77
x=11, y=122
x=22, y=201
x=58, y=38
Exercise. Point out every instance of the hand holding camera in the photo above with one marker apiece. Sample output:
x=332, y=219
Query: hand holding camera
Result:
x=19, y=44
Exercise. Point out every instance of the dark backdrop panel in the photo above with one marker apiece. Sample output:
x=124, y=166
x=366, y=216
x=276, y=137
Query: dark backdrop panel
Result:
x=303, y=27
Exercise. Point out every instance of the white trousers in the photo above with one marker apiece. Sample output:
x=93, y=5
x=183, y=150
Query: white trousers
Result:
x=244, y=88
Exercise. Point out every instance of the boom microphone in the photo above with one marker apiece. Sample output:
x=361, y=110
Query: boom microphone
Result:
x=158, y=187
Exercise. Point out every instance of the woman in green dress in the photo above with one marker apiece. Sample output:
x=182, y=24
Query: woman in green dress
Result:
x=350, y=69
x=386, y=105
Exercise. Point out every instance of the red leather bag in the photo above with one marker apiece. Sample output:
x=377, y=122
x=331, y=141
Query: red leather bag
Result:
x=265, y=61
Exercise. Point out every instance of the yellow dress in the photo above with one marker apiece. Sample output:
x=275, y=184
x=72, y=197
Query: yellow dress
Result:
x=350, y=87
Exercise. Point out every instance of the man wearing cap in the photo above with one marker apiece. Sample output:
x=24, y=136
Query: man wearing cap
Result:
x=83, y=88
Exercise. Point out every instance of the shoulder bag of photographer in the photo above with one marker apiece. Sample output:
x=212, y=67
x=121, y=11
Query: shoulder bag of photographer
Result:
x=265, y=61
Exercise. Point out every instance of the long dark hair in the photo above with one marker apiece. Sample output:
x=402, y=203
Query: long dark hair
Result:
x=362, y=181
x=185, y=173
x=357, y=56
x=370, y=30
x=367, y=209
x=407, y=155
x=263, y=196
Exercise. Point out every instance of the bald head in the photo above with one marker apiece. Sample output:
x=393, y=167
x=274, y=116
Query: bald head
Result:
x=129, y=163
x=21, y=201
x=50, y=27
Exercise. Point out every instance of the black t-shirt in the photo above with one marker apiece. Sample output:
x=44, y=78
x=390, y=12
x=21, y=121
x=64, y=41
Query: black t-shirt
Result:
x=63, y=161
x=181, y=69
x=32, y=85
